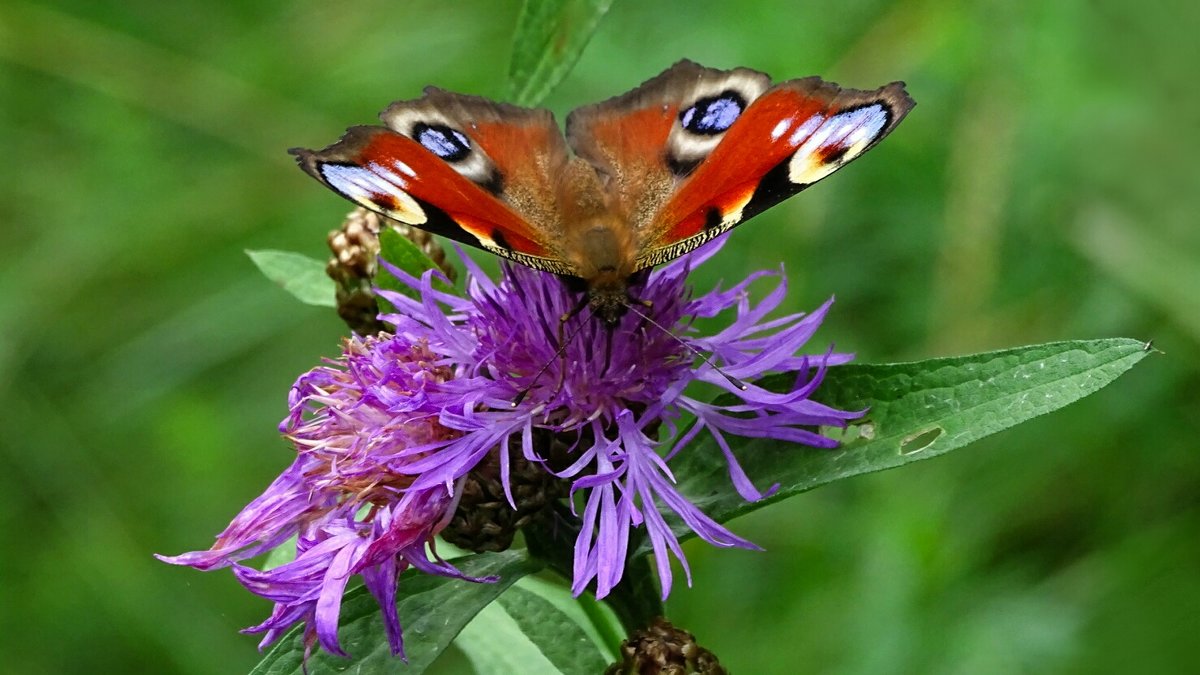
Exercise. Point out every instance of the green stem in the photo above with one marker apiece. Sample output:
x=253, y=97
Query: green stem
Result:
x=602, y=623
x=635, y=600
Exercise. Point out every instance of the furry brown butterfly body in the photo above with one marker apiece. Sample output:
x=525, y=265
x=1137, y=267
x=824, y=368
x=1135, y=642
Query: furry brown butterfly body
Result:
x=637, y=180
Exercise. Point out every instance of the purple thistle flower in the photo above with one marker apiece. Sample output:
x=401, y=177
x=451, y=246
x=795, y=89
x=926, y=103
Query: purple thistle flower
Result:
x=609, y=392
x=345, y=499
x=385, y=434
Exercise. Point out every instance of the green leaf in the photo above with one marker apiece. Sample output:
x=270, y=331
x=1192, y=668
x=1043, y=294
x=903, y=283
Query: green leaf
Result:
x=404, y=254
x=556, y=633
x=495, y=645
x=527, y=633
x=597, y=620
x=432, y=610
x=298, y=274
x=916, y=411
x=550, y=36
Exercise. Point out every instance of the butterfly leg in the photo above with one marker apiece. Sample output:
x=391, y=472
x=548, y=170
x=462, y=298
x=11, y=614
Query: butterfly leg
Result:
x=741, y=386
x=559, y=354
x=648, y=304
x=564, y=341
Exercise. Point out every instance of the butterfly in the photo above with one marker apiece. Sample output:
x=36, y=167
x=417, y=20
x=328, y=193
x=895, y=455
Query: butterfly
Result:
x=638, y=180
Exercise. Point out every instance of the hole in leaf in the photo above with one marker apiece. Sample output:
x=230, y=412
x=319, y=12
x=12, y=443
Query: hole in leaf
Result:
x=866, y=430
x=835, y=433
x=848, y=434
x=914, y=443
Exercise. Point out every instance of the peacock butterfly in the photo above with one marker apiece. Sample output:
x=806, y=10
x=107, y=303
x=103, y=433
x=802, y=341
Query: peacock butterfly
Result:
x=639, y=179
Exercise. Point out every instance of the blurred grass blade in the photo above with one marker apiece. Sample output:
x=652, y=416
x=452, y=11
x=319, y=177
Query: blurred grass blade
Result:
x=550, y=36
x=526, y=633
x=432, y=610
x=188, y=91
x=1166, y=273
x=298, y=274
x=917, y=411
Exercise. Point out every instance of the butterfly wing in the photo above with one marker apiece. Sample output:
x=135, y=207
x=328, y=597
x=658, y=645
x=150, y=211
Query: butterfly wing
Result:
x=792, y=136
x=695, y=151
x=470, y=169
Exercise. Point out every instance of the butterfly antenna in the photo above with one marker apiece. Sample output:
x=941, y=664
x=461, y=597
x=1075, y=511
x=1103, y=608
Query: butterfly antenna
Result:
x=728, y=378
x=562, y=348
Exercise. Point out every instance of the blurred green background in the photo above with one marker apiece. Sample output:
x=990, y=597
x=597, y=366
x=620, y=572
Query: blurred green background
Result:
x=1044, y=188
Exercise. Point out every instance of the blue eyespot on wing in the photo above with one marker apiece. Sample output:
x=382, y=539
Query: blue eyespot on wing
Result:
x=713, y=114
x=787, y=138
x=405, y=179
x=445, y=142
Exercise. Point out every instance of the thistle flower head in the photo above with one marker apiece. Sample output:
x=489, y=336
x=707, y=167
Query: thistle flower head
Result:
x=616, y=394
x=386, y=433
x=346, y=499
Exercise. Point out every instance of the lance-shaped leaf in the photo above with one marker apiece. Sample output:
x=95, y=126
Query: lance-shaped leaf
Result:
x=432, y=610
x=298, y=274
x=550, y=36
x=525, y=632
x=916, y=411
x=402, y=253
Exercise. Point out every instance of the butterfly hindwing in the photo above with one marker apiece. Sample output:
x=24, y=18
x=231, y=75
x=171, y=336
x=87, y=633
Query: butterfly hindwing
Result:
x=637, y=142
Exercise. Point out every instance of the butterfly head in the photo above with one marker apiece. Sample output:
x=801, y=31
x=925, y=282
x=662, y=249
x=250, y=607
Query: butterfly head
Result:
x=608, y=298
x=604, y=255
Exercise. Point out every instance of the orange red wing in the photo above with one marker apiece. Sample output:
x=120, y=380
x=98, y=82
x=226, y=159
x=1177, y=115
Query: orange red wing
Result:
x=687, y=155
x=790, y=137
x=452, y=165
